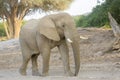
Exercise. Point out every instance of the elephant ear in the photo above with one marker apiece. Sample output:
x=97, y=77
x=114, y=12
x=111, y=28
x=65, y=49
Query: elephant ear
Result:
x=48, y=29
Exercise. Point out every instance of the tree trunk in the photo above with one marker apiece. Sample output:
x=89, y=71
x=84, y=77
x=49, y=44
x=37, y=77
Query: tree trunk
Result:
x=13, y=27
x=116, y=30
x=17, y=26
x=6, y=30
x=9, y=27
x=115, y=26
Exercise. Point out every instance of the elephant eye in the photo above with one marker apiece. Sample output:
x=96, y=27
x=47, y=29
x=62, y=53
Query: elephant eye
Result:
x=63, y=25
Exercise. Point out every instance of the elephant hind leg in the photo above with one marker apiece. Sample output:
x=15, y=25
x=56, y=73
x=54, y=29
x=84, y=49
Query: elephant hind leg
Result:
x=26, y=54
x=35, y=71
x=24, y=65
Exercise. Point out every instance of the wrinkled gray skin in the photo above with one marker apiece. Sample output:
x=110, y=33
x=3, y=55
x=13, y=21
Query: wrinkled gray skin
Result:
x=40, y=36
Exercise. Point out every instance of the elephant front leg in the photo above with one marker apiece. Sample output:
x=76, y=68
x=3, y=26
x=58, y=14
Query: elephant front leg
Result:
x=46, y=58
x=64, y=51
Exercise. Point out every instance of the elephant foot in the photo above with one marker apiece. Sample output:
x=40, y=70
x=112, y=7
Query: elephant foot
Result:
x=44, y=74
x=69, y=73
x=22, y=72
x=35, y=73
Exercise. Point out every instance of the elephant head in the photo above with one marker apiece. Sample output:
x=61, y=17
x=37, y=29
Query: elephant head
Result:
x=60, y=26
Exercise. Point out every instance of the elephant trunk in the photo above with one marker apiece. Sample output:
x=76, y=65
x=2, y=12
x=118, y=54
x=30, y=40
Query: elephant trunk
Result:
x=72, y=37
x=76, y=52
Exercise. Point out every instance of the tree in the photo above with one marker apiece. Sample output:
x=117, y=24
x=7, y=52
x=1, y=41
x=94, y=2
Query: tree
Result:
x=99, y=15
x=115, y=10
x=13, y=11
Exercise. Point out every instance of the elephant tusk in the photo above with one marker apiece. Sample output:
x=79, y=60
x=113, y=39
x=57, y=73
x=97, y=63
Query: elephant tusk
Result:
x=69, y=40
x=82, y=37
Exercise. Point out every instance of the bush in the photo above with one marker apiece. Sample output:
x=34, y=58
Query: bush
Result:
x=2, y=30
x=79, y=20
x=76, y=19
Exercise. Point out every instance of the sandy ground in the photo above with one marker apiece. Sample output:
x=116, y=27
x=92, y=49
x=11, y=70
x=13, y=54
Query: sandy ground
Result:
x=95, y=65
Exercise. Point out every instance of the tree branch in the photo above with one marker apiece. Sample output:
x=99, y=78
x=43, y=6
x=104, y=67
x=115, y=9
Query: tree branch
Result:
x=23, y=13
x=114, y=25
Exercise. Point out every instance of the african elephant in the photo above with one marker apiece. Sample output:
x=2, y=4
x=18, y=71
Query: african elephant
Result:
x=40, y=36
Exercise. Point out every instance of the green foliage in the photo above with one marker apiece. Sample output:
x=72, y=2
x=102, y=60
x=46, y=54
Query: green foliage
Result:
x=23, y=22
x=99, y=15
x=95, y=19
x=2, y=30
x=106, y=26
x=115, y=10
x=76, y=19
